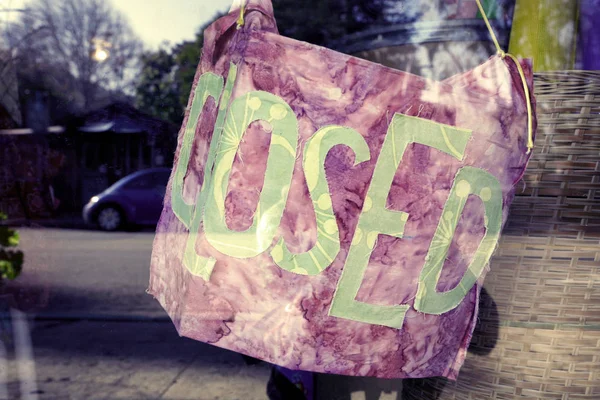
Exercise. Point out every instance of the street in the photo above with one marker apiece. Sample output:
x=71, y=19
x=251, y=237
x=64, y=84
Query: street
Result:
x=88, y=330
x=86, y=273
x=96, y=334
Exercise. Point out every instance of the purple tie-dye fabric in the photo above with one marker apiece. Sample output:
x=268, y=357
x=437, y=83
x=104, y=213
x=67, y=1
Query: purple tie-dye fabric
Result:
x=256, y=308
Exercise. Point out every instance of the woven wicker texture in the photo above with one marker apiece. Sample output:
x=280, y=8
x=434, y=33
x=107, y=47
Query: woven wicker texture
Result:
x=538, y=335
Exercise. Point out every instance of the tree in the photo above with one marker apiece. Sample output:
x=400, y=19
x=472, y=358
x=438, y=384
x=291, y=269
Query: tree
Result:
x=157, y=92
x=167, y=77
x=322, y=22
x=315, y=21
x=86, y=47
x=187, y=57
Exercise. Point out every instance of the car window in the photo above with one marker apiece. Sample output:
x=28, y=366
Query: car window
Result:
x=141, y=182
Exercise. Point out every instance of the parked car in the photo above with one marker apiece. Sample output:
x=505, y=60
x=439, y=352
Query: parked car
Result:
x=137, y=199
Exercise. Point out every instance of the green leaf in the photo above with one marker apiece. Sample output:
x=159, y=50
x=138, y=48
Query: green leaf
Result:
x=7, y=270
x=11, y=263
x=8, y=237
x=14, y=239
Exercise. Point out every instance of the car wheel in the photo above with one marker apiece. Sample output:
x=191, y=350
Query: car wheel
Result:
x=110, y=219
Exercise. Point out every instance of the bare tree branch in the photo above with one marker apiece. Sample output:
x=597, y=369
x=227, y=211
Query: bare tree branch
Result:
x=62, y=36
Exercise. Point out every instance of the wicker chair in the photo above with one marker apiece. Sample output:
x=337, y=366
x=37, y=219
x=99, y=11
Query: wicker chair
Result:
x=538, y=335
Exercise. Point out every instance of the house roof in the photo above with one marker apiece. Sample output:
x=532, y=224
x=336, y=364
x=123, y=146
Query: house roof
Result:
x=122, y=118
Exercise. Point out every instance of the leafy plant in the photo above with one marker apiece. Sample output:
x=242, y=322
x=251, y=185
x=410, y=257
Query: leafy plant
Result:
x=11, y=260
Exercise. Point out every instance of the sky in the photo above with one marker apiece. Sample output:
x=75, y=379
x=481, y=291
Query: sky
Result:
x=172, y=20
x=154, y=21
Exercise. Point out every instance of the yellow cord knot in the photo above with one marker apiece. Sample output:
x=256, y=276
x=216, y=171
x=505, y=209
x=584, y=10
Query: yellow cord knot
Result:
x=503, y=55
x=240, y=20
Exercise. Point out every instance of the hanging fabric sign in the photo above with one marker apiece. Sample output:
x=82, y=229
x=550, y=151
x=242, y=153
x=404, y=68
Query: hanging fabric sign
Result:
x=329, y=214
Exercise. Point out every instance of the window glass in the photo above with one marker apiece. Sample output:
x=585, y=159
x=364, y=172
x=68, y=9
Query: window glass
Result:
x=93, y=91
x=145, y=181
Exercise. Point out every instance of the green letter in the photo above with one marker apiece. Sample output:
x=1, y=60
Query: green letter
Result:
x=376, y=219
x=469, y=180
x=209, y=85
x=327, y=246
x=252, y=107
x=197, y=265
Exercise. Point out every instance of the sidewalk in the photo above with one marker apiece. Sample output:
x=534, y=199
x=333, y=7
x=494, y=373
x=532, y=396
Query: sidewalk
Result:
x=130, y=360
x=148, y=360
x=93, y=333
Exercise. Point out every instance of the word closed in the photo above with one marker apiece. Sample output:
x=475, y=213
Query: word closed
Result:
x=375, y=219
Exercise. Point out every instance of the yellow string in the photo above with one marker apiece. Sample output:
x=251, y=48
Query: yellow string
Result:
x=528, y=100
x=240, y=20
x=521, y=73
x=487, y=23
